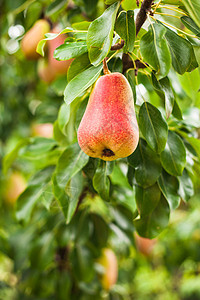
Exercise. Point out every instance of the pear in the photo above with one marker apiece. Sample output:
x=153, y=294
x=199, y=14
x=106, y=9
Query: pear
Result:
x=14, y=186
x=108, y=261
x=109, y=129
x=45, y=71
x=144, y=245
x=43, y=130
x=32, y=38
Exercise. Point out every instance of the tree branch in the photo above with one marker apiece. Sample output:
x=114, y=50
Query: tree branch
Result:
x=118, y=46
x=142, y=14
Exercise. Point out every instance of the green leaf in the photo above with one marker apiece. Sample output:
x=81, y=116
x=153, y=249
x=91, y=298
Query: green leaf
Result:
x=190, y=24
x=38, y=146
x=176, y=112
x=193, y=63
x=101, y=231
x=147, y=199
x=186, y=189
x=72, y=160
x=180, y=49
x=100, y=35
x=153, y=224
x=125, y=27
x=55, y=7
x=155, y=51
x=164, y=90
x=63, y=117
x=11, y=156
x=67, y=193
x=73, y=190
x=109, y=2
x=195, y=143
x=101, y=182
x=129, y=4
x=130, y=75
x=169, y=186
x=82, y=261
x=28, y=199
x=193, y=8
x=70, y=50
x=81, y=82
x=49, y=37
x=78, y=65
x=153, y=126
x=173, y=158
x=118, y=177
x=146, y=163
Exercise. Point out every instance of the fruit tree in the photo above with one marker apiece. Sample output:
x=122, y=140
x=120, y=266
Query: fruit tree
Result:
x=100, y=134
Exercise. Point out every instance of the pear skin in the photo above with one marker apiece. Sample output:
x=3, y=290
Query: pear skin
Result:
x=109, y=129
x=32, y=38
x=109, y=262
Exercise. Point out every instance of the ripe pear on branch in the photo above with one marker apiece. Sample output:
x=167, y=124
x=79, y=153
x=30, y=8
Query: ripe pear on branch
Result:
x=32, y=38
x=109, y=129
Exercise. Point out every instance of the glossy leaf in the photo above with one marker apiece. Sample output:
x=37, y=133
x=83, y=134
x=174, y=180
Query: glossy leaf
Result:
x=153, y=224
x=78, y=65
x=70, y=50
x=147, y=199
x=153, y=126
x=190, y=24
x=125, y=27
x=81, y=82
x=176, y=112
x=164, y=90
x=173, y=158
x=146, y=163
x=154, y=49
x=63, y=117
x=180, y=49
x=72, y=160
x=169, y=186
x=49, y=37
x=193, y=8
x=100, y=35
x=101, y=182
x=186, y=188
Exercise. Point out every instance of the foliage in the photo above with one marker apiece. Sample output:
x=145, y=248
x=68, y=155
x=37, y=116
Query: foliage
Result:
x=75, y=205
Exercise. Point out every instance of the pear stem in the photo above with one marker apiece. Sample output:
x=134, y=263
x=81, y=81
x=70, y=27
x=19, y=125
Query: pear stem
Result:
x=105, y=67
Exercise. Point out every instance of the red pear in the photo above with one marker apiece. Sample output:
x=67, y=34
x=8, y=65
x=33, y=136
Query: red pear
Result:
x=32, y=38
x=109, y=129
